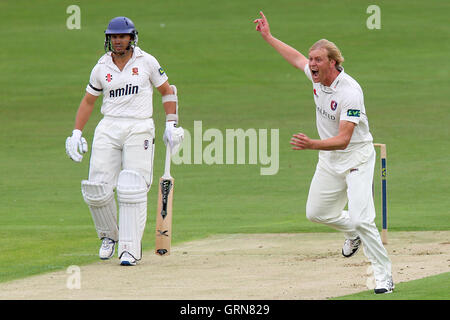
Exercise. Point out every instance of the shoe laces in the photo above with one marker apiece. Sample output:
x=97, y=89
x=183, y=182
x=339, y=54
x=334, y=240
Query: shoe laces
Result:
x=127, y=255
x=352, y=243
x=390, y=283
x=106, y=243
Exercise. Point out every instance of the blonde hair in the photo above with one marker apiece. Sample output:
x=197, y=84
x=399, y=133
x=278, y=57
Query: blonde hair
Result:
x=333, y=51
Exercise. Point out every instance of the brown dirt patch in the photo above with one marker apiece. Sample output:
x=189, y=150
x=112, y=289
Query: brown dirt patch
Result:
x=244, y=266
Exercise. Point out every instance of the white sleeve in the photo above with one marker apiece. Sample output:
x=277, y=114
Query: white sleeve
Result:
x=94, y=86
x=157, y=74
x=308, y=72
x=352, y=107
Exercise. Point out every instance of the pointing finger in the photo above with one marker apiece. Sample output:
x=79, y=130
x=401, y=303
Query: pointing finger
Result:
x=262, y=15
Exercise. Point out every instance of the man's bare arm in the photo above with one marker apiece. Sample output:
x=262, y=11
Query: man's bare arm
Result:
x=165, y=89
x=290, y=54
x=301, y=142
x=84, y=111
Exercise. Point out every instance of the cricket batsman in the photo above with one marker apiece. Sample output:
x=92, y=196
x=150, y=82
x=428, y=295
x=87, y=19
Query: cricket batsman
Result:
x=123, y=146
x=344, y=173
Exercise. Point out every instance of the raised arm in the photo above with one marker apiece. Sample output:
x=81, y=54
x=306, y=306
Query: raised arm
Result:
x=290, y=54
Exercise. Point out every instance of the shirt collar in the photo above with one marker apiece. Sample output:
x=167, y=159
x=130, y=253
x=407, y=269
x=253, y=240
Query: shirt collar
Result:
x=334, y=84
x=107, y=58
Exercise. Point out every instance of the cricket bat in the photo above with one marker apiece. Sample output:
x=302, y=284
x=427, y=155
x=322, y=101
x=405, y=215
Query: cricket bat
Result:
x=164, y=211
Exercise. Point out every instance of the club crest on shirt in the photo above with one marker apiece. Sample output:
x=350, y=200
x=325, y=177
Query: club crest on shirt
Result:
x=108, y=77
x=161, y=71
x=333, y=105
x=135, y=71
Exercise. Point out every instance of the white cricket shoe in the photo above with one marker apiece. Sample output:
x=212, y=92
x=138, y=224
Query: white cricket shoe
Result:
x=107, y=248
x=384, y=286
x=351, y=246
x=126, y=259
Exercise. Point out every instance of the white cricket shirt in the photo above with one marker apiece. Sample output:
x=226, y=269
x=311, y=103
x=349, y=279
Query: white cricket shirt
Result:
x=127, y=93
x=342, y=100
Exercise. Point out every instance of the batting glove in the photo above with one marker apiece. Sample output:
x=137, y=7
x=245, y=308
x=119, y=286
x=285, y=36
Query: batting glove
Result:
x=76, y=145
x=173, y=136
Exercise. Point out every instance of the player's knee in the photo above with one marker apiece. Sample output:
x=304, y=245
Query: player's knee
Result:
x=313, y=214
x=131, y=187
x=96, y=193
x=356, y=223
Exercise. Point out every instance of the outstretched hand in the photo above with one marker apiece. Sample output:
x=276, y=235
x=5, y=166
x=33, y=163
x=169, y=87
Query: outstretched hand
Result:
x=262, y=25
x=301, y=141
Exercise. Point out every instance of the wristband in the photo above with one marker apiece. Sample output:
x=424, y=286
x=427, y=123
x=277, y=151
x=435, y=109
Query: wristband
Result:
x=172, y=117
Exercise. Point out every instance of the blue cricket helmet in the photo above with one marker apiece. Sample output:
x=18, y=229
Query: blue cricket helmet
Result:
x=120, y=25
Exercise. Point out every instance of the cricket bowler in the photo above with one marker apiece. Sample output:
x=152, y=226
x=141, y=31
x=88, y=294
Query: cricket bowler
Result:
x=123, y=146
x=344, y=173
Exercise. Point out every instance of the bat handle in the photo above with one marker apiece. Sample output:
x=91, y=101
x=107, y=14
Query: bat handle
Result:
x=167, y=165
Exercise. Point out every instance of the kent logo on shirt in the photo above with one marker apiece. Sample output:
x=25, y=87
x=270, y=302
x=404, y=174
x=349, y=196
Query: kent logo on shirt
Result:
x=353, y=113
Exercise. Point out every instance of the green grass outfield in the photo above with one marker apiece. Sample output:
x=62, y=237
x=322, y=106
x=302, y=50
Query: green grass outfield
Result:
x=227, y=77
x=430, y=288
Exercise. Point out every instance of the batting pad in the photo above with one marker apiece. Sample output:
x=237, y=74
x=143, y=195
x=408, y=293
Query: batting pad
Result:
x=132, y=197
x=100, y=199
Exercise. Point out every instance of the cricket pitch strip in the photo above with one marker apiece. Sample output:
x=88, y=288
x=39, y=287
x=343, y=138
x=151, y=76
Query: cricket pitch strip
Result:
x=303, y=266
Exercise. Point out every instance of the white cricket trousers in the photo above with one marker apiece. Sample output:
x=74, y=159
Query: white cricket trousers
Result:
x=122, y=144
x=330, y=191
x=122, y=159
